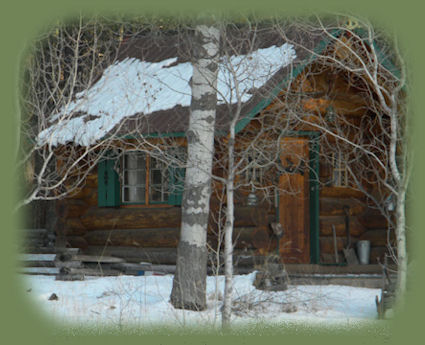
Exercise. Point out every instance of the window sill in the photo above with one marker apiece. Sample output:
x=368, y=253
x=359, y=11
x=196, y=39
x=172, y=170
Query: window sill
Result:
x=147, y=206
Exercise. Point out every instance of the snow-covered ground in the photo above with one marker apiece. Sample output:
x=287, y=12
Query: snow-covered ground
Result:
x=144, y=300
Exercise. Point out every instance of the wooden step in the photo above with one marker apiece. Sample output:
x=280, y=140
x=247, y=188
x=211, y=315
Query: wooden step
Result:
x=37, y=257
x=70, y=264
x=38, y=264
x=51, y=271
x=49, y=250
x=89, y=272
x=38, y=250
x=97, y=259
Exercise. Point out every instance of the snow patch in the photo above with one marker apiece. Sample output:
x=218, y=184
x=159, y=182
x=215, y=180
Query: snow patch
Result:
x=144, y=301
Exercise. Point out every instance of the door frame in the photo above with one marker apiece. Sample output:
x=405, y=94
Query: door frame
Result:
x=313, y=185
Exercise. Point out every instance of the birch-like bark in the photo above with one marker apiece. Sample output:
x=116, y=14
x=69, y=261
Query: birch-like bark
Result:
x=189, y=284
x=228, y=233
x=400, y=232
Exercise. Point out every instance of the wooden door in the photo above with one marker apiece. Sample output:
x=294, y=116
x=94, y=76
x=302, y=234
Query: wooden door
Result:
x=294, y=201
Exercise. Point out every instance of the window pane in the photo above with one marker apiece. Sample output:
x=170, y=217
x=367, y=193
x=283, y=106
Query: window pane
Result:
x=155, y=164
x=156, y=177
x=156, y=194
x=134, y=160
x=134, y=194
x=134, y=178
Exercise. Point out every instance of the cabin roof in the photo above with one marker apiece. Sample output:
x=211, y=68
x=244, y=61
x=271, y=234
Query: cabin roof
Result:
x=146, y=91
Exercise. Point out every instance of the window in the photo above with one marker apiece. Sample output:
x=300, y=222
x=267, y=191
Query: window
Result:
x=144, y=179
x=340, y=172
x=139, y=178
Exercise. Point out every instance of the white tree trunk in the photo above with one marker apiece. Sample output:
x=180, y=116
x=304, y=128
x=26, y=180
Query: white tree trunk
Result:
x=228, y=233
x=189, y=284
x=400, y=232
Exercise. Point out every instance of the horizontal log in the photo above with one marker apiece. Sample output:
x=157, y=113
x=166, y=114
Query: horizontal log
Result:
x=327, y=244
x=74, y=227
x=374, y=221
x=131, y=218
x=134, y=254
x=377, y=237
x=168, y=256
x=77, y=242
x=340, y=192
x=335, y=206
x=377, y=254
x=250, y=216
x=163, y=237
x=261, y=238
x=92, y=200
x=97, y=258
x=91, y=181
x=36, y=263
x=326, y=222
x=327, y=258
x=68, y=264
x=98, y=272
x=243, y=238
x=84, y=193
x=74, y=208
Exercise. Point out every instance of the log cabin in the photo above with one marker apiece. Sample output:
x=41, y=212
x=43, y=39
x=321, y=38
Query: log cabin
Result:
x=130, y=203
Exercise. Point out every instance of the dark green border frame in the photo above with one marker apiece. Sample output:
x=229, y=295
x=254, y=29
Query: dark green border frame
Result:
x=25, y=323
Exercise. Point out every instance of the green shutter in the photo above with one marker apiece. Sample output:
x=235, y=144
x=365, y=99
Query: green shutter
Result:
x=108, y=184
x=176, y=185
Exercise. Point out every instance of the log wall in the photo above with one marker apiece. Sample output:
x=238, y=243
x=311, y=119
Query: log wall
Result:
x=88, y=226
x=146, y=229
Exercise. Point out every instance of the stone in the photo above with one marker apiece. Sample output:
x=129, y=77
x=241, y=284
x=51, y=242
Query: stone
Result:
x=272, y=276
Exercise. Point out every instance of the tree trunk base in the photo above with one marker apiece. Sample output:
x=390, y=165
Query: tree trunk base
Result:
x=189, y=284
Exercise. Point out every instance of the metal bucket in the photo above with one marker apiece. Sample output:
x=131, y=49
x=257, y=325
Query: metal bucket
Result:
x=363, y=252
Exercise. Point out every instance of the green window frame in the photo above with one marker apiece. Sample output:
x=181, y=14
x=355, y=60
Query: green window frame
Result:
x=141, y=178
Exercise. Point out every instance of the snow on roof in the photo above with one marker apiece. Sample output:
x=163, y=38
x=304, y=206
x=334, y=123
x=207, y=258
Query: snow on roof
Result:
x=132, y=86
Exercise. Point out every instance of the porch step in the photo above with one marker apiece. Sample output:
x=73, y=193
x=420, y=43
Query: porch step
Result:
x=373, y=281
x=333, y=269
x=49, y=271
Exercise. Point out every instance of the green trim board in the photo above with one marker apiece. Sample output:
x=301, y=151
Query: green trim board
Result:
x=321, y=46
x=108, y=192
